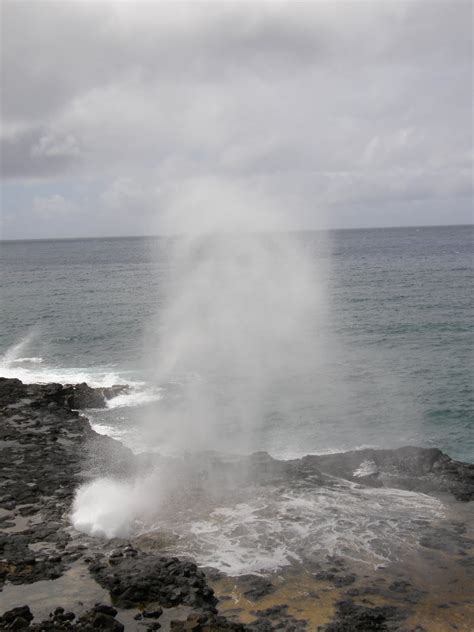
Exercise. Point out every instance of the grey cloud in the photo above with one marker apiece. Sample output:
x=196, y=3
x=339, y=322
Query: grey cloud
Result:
x=58, y=51
x=33, y=153
x=322, y=104
x=50, y=145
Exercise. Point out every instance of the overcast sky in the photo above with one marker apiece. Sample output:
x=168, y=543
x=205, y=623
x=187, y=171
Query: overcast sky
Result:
x=346, y=114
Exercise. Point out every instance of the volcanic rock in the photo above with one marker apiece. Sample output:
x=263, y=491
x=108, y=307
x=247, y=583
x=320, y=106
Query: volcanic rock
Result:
x=146, y=578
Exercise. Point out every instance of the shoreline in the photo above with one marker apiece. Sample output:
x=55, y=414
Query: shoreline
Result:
x=50, y=449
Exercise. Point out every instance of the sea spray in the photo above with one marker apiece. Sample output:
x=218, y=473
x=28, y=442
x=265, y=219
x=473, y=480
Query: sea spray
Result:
x=108, y=507
x=241, y=307
x=233, y=332
x=242, y=336
x=13, y=354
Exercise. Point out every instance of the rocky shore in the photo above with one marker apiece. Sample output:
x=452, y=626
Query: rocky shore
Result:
x=47, y=568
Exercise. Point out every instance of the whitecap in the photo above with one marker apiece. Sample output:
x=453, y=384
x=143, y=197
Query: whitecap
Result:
x=136, y=397
x=33, y=360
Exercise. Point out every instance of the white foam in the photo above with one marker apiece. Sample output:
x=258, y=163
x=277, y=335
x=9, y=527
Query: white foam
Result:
x=33, y=360
x=366, y=468
x=267, y=533
x=99, y=507
x=253, y=530
x=105, y=429
x=34, y=369
x=136, y=397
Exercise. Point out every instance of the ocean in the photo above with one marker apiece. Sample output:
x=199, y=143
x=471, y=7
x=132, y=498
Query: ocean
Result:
x=396, y=367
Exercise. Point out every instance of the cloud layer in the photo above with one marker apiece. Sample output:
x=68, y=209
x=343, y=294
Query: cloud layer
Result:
x=345, y=113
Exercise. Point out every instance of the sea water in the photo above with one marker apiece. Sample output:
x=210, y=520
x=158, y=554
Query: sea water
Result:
x=400, y=306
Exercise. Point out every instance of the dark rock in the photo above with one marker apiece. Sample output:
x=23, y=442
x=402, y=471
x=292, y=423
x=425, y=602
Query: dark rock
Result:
x=22, y=612
x=146, y=578
x=83, y=396
x=46, y=440
x=153, y=614
x=19, y=624
x=95, y=619
x=207, y=623
x=355, y=618
x=105, y=622
x=104, y=609
x=256, y=587
x=48, y=446
x=336, y=579
x=425, y=470
x=54, y=396
x=400, y=585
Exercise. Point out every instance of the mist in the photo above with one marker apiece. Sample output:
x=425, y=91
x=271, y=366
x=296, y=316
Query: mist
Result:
x=237, y=319
x=242, y=305
x=242, y=345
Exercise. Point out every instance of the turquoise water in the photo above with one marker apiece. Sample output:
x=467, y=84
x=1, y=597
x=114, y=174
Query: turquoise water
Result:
x=400, y=314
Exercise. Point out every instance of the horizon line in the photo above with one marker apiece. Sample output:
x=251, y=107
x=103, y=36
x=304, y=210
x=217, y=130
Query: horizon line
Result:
x=295, y=230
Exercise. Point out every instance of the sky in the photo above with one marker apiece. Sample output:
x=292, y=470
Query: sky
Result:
x=343, y=114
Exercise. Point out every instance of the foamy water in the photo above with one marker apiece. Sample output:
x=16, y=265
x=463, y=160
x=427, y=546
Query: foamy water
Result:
x=140, y=395
x=374, y=526
x=37, y=370
x=265, y=528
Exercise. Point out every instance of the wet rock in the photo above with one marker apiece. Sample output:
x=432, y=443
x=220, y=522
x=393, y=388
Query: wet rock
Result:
x=11, y=391
x=449, y=538
x=54, y=396
x=8, y=618
x=146, y=578
x=424, y=470
x=276, y=618
x=206, y=623
x=256, y=587
x=338, y=580
x=83, y=396
x=110, y=611
x=355, y=618
x=40, y=468
x=400, y=586
x=153, y=614
x=101, y=617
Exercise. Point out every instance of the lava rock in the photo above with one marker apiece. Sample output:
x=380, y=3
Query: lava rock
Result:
x=426, y=470
x=146, y=578
x=355, y=618
x=207, y=623
x=256, y=587
x=153, y=614
x=10, y=616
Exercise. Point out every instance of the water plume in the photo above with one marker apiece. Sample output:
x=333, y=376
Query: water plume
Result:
x=108, y=508
x=242, y=300
x=13, y=354
x=240, y=309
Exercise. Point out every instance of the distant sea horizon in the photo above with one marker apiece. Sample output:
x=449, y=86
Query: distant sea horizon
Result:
x=295, y=230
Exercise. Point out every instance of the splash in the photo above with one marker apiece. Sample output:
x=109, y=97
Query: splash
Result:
x=242, y=305
x=242, y=302
x=99, y=508
x=13, y=354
